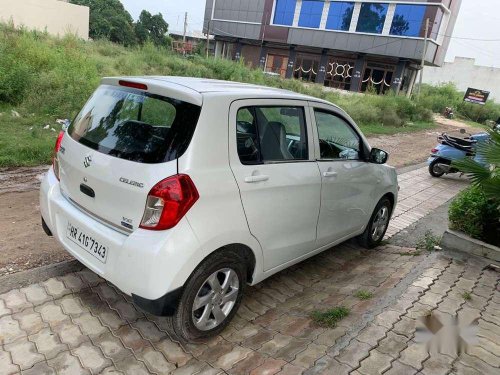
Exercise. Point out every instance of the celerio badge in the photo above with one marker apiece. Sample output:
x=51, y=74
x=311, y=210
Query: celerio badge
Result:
x=133, y=183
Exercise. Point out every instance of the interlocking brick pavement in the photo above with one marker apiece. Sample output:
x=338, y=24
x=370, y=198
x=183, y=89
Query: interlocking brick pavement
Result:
x=80, y=324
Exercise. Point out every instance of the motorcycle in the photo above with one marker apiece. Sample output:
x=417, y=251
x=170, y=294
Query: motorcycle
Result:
x=451, y=148
x=448, y=113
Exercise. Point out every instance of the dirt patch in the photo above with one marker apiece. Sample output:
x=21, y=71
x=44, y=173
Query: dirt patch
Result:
x=412, y=148
x=21, y=179
x=23, y=243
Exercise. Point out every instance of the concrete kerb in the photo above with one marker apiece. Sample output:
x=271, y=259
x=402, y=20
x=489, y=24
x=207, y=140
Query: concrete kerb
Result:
x=456, y=241
x=35, y=275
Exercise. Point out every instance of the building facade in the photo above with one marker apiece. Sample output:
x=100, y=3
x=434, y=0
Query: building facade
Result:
x=354, y=45
x=57, y=17
x=464, y=73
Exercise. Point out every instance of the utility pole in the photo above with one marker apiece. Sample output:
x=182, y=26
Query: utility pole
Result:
x=185, y=31
x=424, y=52
x=208, y=39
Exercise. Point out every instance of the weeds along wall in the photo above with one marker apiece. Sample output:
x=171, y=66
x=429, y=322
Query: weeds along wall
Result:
x=55, y=76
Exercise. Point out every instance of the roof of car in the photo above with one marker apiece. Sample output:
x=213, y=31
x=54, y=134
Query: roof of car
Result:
x=207, y=86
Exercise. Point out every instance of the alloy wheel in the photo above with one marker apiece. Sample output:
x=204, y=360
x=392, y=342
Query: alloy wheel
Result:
x=380, y=223
x=215, y=299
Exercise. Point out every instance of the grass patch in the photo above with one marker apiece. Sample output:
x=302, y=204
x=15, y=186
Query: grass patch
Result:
x=330, y=318
x=428, y=242
x=466, y=296
x=363, y=294
x=24, y=141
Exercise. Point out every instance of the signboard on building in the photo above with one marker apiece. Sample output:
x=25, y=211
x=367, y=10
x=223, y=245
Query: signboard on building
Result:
x=476, y=96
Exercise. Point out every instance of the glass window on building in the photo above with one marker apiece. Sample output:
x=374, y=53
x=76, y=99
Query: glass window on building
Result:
x=372, y=18
x=277, y=64
x=339, y=73
x=377, y=78
x=409, y=20
x=284, y=12
x=310, y=13
x=436, y=22
x=340, y=15
x=306, y=69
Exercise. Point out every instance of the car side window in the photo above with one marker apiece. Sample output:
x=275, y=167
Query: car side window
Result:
x=271, y=134
x=337, y=139
x=247, y=137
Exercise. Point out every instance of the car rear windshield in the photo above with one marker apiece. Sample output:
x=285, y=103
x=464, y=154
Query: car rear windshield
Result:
x=135, y=125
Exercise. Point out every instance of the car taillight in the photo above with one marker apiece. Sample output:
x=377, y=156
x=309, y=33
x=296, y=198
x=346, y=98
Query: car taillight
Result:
x=168, y=201
x=55, y=157
x=434, y=151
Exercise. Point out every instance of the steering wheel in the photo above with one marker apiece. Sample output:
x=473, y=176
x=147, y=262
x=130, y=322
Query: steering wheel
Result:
x=250, y=143
x=324, y=153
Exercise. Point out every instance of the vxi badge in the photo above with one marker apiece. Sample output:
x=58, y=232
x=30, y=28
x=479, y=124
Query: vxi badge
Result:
x=133, y=183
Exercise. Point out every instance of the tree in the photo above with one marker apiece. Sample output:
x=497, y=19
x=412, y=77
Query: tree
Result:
x=372, y=17
x=399, y=25
x=152, y=27
x=347, y=17
x=109, y=20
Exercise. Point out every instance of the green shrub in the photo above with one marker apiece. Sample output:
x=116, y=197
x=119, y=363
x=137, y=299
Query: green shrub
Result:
x=474, y=214
x=437, y=98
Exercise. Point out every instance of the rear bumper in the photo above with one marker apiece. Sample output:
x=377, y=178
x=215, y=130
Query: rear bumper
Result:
x=147, y=265
x=163, y=306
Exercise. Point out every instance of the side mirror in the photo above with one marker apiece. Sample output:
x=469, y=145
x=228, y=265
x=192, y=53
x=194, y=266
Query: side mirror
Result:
x=378, y=156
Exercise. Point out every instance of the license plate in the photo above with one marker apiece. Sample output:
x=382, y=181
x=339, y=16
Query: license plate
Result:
x=87, y=242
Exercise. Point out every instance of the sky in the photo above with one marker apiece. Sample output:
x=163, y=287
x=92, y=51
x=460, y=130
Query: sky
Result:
x=477, y=20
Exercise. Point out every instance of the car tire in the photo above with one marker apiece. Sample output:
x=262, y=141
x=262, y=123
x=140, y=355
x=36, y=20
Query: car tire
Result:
x=377, y=226
x=432, y=171
x=223, y=266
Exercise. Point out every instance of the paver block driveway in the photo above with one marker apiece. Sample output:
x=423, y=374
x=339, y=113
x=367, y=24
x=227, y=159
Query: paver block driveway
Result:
x=80, y=324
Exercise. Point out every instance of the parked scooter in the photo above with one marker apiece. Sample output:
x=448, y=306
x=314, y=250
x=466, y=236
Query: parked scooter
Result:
x=452, y=148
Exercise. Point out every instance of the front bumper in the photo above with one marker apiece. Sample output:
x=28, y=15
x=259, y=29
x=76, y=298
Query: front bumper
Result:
x=431, y=159
x=144, y=264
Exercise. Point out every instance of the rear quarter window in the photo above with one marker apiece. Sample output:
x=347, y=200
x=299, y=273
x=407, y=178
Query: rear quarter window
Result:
x=135, y=125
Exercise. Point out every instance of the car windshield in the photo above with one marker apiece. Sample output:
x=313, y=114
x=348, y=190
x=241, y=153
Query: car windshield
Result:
x=134, y=125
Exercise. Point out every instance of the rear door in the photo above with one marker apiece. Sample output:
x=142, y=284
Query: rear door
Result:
x=271, y=154
x=348, y=181
x=120, y=145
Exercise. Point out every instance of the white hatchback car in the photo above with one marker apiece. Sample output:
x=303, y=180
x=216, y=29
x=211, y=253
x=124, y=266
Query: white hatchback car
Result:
x=181, y=191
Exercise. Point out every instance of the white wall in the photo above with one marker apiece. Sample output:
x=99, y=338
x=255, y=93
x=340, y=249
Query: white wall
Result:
x=57, y=17
x=464, y=73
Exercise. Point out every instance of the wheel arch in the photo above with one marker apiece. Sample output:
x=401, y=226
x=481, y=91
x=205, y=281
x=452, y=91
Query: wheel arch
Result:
x=247, y=254
x=391, y=198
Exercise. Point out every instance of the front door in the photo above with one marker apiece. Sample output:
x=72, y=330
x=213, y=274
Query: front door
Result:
x=280, y=185
x=348, y=183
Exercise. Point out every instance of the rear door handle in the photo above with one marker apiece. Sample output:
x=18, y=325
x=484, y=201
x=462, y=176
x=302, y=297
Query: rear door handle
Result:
x=258, y=178
x=330, y=174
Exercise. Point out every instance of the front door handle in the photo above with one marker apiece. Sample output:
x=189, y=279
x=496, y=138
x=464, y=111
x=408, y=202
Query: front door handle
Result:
x=258, y=178
x=330, y=174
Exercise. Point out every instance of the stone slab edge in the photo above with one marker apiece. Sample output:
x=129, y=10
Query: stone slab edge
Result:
x=461, y=242
x=36, y=275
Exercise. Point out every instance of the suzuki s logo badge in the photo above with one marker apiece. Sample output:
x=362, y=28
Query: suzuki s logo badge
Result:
x=87, y=161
